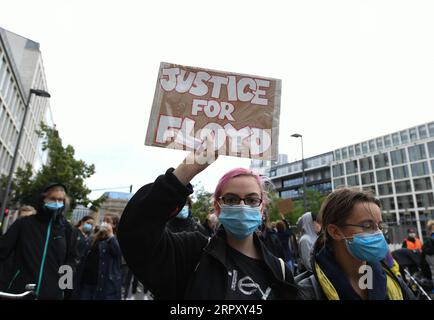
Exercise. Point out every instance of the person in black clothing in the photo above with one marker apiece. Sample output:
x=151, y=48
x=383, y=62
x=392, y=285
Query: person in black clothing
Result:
x=209, y=226
x=39, y=245
x=101, y=267
x=184, y=220
x=284, y=235
x=83, y=230
x=233, y=264
x=427, y=264
x=268, y=235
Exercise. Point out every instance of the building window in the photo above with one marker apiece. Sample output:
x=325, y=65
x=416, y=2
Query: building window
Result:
x=351, y=166
x=338, y=154
x=403, y=186
x=404, y=136
x=372, y=147
x=358, y=149
x=395, y=139
x=400, y=172
x=385, y=189
x=379, y=143
x=383, y=175
x=387, y=141
x=368, y=178
x=351, y=151
x=381, y=160
x=398, y=156
x=387, y=204
x=365, y=147
x=340, y=182
x=338, y=170
x=413, y=134
x=344, y=153
x=431, y=129
x=422, y=184
x=273, y=173
x=432, y=165
x=292, y=182
x=431, y=149
x=282, y=170
x=417, y=152
x=419, y=169
x=405, y=202
x=425, y=200
x=289, y=194
x=422, y=132
x=365, y=164
x=353, y=180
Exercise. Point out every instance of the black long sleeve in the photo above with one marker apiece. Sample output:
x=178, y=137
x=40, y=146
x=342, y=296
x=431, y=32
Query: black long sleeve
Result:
x=161, y=260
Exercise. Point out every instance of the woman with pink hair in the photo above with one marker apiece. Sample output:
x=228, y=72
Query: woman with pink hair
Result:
x=234, y=264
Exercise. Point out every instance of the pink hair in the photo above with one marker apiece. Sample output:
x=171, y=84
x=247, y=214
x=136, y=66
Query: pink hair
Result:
x=240, y=172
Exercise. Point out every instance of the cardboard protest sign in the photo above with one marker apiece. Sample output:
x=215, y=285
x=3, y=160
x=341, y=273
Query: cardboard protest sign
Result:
x=241, y=110
x=284, y=206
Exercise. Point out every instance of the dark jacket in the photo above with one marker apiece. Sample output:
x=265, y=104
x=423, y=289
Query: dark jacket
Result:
x=427, y=251
x=313, y=285
x=206, y=230
x=25, y=241
x=187, y=225
x=184, y=265
x=284, y=241
x=109, y=281
x=271, y=240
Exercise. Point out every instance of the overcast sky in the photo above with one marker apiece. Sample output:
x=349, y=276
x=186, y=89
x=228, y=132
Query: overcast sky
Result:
x=350, y=70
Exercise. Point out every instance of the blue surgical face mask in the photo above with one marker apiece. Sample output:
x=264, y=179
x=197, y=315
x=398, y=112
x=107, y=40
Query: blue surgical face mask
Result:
x=240, y=220
x=183, y=214
x=87, y=227
x=370, y=247
x=55, y=208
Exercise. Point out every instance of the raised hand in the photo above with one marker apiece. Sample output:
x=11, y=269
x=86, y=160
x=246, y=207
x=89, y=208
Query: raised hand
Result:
x=197, y=161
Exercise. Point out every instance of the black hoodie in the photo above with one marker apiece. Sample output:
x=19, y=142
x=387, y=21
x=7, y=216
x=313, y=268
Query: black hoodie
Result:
x=185, y=265
x=38, y=246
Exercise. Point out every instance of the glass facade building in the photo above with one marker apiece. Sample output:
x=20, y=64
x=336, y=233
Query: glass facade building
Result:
x=21, y=68
x=398, y=168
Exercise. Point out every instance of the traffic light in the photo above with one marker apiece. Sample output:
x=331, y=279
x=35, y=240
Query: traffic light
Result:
x=6, y=212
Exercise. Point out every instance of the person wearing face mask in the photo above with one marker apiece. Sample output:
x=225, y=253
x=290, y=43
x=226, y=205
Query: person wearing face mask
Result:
x=40, y=244
x=84, y=230
x=412, y=242
x=233, y=264
x=351, y=246
x=184, y=220
x=101, y=266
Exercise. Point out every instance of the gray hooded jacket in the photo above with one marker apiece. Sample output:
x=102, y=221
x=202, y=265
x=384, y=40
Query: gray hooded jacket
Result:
x=307, y=240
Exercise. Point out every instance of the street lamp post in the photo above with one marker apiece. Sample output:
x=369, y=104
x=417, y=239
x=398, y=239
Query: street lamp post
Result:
x=297, y=135
x=36, y=92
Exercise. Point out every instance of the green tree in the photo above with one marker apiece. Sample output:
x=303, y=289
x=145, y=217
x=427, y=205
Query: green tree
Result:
x=314, y=199
x=271, y=209
x=62, y=167
x=202, y=203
